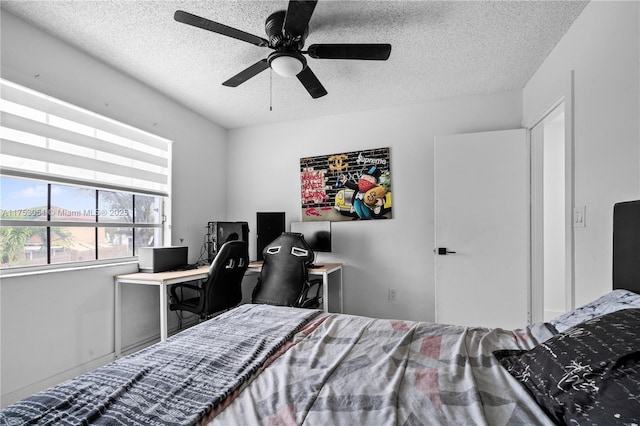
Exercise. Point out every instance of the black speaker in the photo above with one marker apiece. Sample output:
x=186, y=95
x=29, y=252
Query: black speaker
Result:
x=269, y=227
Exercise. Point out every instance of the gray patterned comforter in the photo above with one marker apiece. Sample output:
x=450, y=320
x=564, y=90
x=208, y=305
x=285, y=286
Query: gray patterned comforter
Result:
x=268, y=365
x=348, y=370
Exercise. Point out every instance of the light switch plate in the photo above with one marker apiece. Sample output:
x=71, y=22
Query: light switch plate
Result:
x=579, y=217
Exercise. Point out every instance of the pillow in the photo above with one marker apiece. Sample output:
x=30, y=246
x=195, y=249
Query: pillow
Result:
x=610, y=302
x=589, y=374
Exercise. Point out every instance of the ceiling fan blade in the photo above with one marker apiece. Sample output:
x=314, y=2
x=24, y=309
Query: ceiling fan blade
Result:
x=311, y=83
x=246, y=74
x=298, y=16
x=196, y=21
x=369, y=52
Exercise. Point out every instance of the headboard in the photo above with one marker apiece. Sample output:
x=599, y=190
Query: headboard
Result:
x=626, y=246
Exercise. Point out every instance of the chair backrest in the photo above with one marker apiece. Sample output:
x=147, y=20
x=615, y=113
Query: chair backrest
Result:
x=223, y=289
x=284, y=271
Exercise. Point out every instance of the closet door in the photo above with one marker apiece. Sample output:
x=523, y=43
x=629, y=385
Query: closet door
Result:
x=482, y=229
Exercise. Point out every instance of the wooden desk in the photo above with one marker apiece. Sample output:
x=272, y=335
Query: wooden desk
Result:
x=329, y=298
x=160, y=279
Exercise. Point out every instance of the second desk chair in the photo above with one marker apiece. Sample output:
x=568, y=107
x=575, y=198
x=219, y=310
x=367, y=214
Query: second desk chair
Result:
x=284, y=279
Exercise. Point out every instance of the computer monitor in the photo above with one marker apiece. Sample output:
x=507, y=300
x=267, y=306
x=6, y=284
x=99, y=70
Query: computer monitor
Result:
x=317, y=233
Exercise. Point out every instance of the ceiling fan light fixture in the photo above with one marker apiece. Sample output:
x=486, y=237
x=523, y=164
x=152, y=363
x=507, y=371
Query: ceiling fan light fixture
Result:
x=287, y=64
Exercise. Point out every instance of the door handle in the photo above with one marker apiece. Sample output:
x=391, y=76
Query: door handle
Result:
x=443, y=251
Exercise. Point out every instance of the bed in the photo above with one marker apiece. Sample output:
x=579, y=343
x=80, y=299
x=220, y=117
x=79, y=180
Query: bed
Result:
x=272, y=365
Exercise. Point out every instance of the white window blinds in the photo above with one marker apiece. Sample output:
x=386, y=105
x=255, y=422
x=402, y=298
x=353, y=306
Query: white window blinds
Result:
x=44, y=138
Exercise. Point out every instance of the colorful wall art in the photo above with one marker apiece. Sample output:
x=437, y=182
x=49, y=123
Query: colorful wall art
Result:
x=346, y=186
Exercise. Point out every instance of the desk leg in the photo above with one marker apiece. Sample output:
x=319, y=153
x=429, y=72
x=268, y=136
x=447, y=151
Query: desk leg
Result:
x=340, y=292
x=117, y=321
x=163, y=312
x=325, y=292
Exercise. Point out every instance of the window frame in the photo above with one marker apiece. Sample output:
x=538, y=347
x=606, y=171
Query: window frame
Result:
x=96, y=224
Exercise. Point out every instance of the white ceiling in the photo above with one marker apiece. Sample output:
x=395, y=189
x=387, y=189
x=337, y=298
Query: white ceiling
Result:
x=440, y=49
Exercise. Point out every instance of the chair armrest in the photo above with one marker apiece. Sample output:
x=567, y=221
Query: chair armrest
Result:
x=174, y=288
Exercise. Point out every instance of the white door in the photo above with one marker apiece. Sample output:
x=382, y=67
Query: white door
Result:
x=482, y=214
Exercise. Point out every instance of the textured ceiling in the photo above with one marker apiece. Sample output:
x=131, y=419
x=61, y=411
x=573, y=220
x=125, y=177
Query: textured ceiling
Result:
x=441, y=49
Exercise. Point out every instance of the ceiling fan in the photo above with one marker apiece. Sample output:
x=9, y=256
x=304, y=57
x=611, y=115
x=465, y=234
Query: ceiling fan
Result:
x=287, y=31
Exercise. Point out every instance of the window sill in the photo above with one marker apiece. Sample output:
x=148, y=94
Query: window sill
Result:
x=66, y=267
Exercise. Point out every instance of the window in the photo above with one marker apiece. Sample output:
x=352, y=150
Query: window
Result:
x=75, y=186
x=47, y=223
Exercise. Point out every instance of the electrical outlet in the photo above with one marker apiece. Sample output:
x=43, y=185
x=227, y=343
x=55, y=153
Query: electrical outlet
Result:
x=392, y=295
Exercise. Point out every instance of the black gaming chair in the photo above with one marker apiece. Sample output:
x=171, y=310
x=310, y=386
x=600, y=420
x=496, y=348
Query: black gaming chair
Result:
x=284, y=279
x=222, y=289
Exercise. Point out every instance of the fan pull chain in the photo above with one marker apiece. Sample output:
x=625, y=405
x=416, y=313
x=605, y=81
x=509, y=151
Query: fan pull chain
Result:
x=270, y=89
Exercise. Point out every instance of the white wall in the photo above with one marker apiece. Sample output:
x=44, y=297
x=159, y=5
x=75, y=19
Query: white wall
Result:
x=57, y=324
x=265, y=176
x=602, y=48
